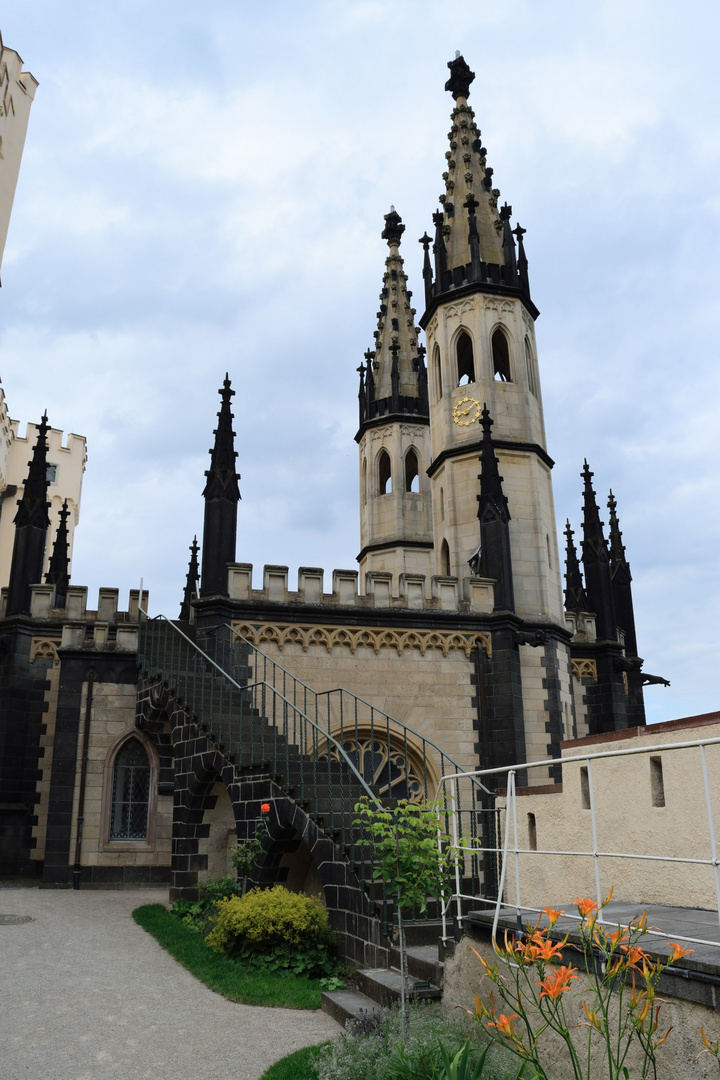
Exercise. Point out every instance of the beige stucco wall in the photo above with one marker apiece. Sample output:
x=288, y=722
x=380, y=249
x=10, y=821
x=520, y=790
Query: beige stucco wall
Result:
x=69, y=456
x=627, y=822
x=17, y=90
x=464, y=979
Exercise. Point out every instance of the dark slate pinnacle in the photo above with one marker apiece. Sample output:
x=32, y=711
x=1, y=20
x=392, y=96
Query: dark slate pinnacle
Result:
x=58, y=573
x=33, y=507
x=511, y=273
x=394, y=227
x=222, y=480
x=193, y=577
x=460, y=77
x=575, y=595
x=494, y=515
x=596, y=562
x=522, y=262
x=221, y=496
x=31, y=525
x=618, y=559
x=490, y=478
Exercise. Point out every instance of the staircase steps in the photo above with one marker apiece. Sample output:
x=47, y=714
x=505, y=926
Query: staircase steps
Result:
x=380, y=988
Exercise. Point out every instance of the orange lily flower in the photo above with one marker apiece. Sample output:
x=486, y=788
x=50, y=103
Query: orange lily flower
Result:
x=586, y=907
x=634, y=955
x=505, y=1026
x=678, y=951
x=552, y=915
x=557, y=981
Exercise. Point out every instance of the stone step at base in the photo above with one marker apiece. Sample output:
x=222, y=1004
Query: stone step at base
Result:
x=423, y=963
x=423, y=932
x=344, y=1005
x=384, y=986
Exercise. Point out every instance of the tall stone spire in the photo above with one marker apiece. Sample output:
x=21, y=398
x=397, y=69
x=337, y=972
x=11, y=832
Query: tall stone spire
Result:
x=474, y=242
x=59, y=569
x=31, y=525
x=392, y=383
x=221, y=495
x=596, y=562
x=191, y=583
x=621, y=582
x=494, y=515
x=575, y=595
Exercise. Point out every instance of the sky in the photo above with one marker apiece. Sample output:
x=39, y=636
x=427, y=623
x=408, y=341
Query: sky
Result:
x=203, y=190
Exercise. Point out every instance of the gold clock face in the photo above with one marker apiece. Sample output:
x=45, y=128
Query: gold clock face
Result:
x=467, y=411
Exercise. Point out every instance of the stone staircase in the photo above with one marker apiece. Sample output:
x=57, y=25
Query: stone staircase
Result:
x=379, y=988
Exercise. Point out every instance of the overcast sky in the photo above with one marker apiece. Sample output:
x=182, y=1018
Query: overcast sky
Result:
x=203, y=189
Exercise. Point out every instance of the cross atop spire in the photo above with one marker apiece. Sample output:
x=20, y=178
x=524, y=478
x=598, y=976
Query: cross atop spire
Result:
x=221, y=494
x=33, y=507
x=222, y=480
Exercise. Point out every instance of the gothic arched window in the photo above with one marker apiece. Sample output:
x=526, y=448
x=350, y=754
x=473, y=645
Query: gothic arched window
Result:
x=438, y=372
x=465, y=360
x=501, y=356
x=363, y=485
x=530, y=365
x=384, y=473
x=130, y=793
x=412, y=475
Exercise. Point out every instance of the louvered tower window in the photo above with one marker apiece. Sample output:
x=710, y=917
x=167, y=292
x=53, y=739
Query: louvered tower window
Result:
x=131, y=793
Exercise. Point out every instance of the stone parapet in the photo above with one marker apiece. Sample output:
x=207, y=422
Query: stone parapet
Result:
x=383, y=589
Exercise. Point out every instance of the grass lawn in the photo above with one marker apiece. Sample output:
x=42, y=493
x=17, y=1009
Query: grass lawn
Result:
x=226, y=977
x=297, y=1066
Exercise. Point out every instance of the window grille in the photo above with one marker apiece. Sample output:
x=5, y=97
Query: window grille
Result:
x=131, y=792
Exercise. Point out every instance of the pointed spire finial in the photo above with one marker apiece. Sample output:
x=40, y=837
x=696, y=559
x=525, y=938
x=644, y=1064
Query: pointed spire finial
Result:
x=596, y=561
x=221, y=494
x=394, y=227
x=191, y=582
x=460, y=77
x=618, y=558
x=495, y=559
x=58, y=573
x=31, y=525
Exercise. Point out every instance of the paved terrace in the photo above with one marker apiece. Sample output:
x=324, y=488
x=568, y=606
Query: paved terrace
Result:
x=85, y=994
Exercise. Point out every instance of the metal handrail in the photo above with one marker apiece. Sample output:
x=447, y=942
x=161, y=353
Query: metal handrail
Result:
x=510, y=847
x=466, y=774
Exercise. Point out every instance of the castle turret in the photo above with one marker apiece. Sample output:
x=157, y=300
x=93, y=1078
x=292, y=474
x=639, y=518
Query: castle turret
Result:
x=221, y=495
x=596, y=562
x=31, y=525
x=393, y=437
x=59, y=569
x=191, y=582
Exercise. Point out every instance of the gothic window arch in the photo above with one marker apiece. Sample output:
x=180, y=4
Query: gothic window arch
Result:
x=130, y=799
x=129, y=793
x=384, y=473
x=501, y=356
x=437, y=371
x=445, y=558
x=394, y=766
x=530, y=366
x=412, y=471
x=363, y=481
x=465, y=359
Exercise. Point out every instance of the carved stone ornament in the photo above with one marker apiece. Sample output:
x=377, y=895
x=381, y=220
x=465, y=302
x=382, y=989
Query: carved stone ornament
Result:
x=413, y=432
x=432, y=327
x=456, y=311
x=584, y=669
x=378, y=434
x=281, y=634
x=44, y=647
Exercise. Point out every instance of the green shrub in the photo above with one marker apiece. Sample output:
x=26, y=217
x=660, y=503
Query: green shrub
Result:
x=199, y=915
x=276, y=930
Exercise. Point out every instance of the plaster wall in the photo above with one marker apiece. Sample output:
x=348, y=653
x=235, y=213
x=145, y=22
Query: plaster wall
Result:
x=69, y=458
x=628, y=821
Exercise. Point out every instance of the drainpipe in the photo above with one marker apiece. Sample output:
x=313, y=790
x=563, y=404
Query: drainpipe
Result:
x=83, y=780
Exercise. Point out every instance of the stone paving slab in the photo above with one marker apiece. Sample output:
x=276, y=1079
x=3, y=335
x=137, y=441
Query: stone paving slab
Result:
x=86, y=994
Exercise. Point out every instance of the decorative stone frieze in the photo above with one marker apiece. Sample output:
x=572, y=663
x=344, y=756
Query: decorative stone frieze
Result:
x=584, y=669
x=282, y=634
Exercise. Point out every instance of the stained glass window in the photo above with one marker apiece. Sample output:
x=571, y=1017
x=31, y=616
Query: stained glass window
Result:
x=131, y=791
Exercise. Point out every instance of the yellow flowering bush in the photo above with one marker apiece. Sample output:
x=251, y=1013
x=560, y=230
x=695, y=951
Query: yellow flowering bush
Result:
x=276, y=930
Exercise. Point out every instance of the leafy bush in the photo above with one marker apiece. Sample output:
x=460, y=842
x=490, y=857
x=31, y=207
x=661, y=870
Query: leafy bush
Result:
x=198, y=915
x=276, y=930
x=374, y=1050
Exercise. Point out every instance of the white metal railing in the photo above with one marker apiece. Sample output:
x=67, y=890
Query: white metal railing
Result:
x=510, y=849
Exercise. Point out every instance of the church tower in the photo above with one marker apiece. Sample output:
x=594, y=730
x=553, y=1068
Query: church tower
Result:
x=479, y=322
x=393, y=435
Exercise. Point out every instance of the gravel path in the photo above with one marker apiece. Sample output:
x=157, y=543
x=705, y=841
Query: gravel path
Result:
x=85, y=994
